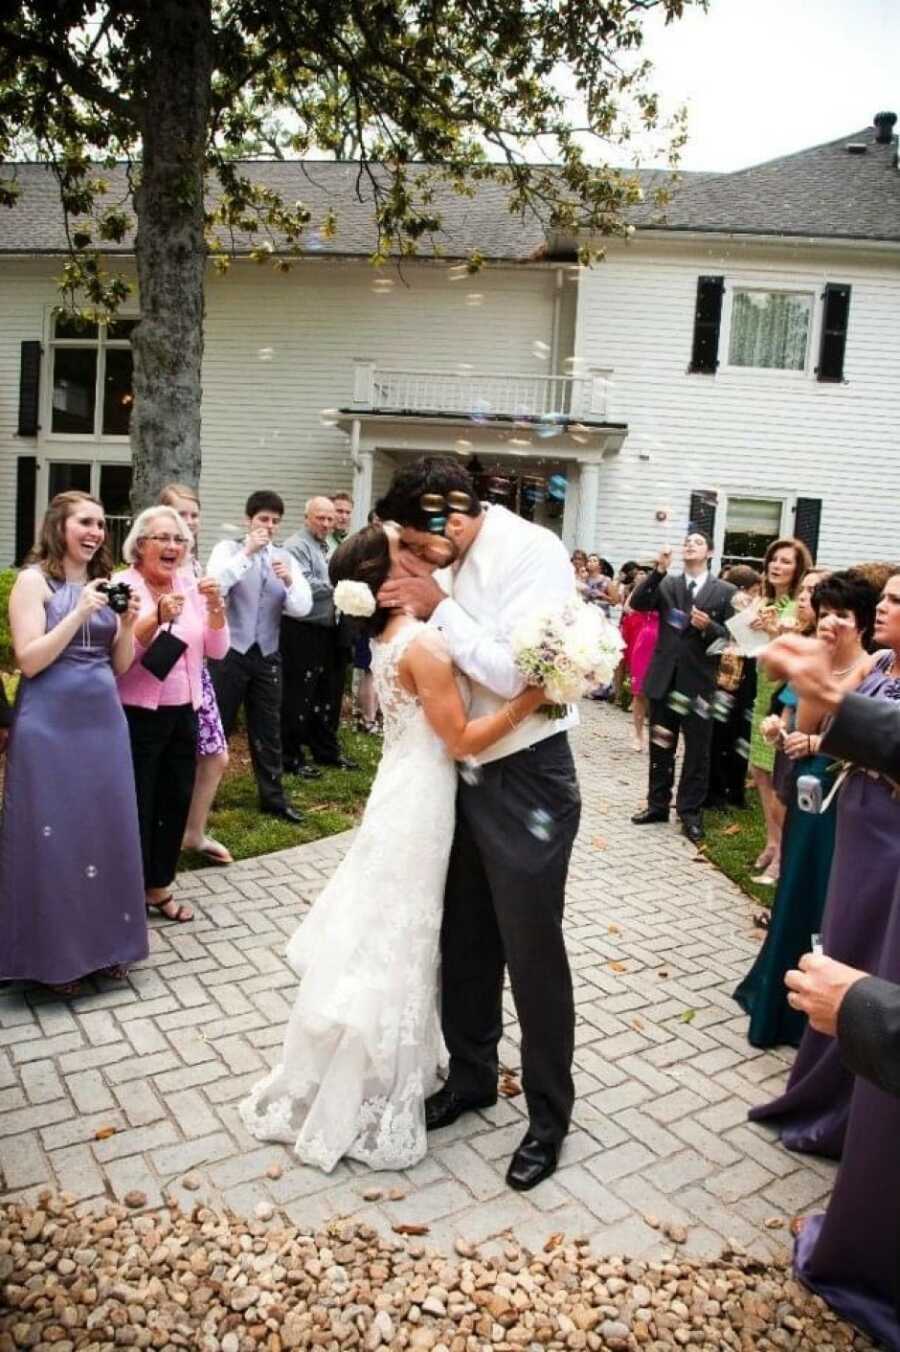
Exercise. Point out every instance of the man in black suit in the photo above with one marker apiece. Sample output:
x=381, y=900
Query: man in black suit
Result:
x=862, y=1011
x=681, y=681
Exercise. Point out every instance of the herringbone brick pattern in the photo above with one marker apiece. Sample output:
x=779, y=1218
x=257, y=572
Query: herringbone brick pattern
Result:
x=658, y=941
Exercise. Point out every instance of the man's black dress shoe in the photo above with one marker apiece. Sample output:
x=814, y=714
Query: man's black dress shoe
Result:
x=692, y=827
x=286, y=813
x=533, y=1162
x=445, y=1107
x=307, y=772
x=649, y=814
x=342, y=763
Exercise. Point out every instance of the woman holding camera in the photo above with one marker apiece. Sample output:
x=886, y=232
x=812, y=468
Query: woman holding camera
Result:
x=813, y=1112
x=71, y=888
x=181, y=621
x=842, y=607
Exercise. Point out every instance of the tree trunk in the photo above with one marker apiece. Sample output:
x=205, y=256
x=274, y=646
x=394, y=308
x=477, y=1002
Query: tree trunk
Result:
x=170, y=247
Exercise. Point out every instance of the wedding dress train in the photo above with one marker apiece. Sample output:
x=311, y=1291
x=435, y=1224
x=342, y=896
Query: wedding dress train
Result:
x=363, y=1041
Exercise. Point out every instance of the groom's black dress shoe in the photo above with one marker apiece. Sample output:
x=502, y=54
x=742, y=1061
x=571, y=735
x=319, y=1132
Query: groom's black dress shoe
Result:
x=533, y=1162
x=649, y=814
x=692, y=827
x=285, y=812
x=446, y=1106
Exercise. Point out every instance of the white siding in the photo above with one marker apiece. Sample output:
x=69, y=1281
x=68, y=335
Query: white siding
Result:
x=744, y=432
x=279, y=350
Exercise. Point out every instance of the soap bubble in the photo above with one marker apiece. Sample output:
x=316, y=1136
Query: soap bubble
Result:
x=678, y=619
x=520, y=441
x=458, y=501
x=475, y=298
x=436, y=525
x=470, y=772
x=382, y=285
x=432, y=502
x=679, y=703
x=464, y=368
x=457, y=273
x=742, y=747
x=46, y=830
x=91, y=871
x=126, y=915
x=266, y=353
x=717, y=648
x=540, y=349
x=662, y=736
x=721, y=705
x=462, y=445
x=701, y=707
x=480, y=411
x=540, y=824
x=328, y=417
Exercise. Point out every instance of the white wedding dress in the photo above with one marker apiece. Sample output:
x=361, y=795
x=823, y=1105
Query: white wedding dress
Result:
x=363, y=1041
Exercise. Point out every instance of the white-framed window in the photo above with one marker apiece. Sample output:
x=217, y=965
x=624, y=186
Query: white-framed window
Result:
x=768, y=330
x=107, y=478
x=751, y=523
x=90, y=378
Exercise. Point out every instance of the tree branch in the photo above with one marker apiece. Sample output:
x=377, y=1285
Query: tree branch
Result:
x=70, y=72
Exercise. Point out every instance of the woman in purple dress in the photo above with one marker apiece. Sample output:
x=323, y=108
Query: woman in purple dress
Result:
x=212, y=745
x=812, y=1114
x=71, y=883
x=851, y=1254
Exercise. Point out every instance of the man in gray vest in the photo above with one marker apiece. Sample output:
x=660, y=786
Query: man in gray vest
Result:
x=259, y=583
x=309, y=648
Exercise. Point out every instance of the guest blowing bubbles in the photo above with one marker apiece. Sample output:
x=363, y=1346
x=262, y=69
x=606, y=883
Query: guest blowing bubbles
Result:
x=71, y=890
x=212, y=746
x=162, y=709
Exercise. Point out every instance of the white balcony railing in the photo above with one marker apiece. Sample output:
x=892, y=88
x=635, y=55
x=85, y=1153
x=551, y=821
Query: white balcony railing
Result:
x=481, y=395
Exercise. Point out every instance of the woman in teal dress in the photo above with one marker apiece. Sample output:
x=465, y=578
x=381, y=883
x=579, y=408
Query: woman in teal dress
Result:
x=785, y=564
x=844, y=607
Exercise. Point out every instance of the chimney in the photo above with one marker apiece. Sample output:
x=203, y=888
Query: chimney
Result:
x=884, y=127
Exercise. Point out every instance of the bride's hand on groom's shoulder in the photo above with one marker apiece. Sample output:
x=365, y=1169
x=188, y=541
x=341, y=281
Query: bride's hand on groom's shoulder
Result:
x=419, y=595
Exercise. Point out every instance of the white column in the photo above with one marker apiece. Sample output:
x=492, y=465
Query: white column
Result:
x=363, y=465
x=588, y=498
x=363, y=382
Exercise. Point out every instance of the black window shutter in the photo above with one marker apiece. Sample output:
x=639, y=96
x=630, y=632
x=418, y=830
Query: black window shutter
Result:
x=835, y=314
x=26, y=496
x=707, y=320
x=29, y=388
x=807, y=518
x=703, y=511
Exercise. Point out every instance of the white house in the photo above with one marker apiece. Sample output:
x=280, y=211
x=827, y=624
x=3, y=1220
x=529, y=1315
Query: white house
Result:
x=735, y=363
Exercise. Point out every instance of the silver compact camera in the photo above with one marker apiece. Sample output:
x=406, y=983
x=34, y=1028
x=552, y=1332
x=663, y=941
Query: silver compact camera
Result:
x=809, y=794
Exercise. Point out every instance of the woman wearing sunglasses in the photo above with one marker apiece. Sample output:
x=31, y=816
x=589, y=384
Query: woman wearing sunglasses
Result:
x=181, y=621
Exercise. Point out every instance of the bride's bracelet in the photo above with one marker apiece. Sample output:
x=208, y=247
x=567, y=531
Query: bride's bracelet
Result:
x=513, y=723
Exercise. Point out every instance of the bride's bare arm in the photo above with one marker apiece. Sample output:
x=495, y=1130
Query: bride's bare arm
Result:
x=427, y=669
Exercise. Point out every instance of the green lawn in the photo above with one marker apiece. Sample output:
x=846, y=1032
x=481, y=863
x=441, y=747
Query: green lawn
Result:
x=331, y=804
x=733, y=841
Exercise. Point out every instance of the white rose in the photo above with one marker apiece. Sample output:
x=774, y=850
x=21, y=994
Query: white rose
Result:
x=355, y=598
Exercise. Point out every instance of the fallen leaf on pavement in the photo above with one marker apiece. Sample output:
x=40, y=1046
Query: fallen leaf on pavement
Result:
x=509, y=1087
x=104, y=1133
x=554, y=1241
x=775, y=1223
x=407, y=1229
x=613, y=929
x=598, y=843
x=688, y=1016
x=617, y=967
x=733, y=830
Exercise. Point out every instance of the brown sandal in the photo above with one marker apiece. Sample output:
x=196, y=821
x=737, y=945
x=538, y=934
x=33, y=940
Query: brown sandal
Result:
x=181, y=915
x=66, y=988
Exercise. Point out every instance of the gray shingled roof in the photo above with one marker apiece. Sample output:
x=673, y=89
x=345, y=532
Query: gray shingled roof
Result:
x=824, y=192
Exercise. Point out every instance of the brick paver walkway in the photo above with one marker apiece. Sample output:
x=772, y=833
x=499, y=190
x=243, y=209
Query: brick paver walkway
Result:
x=658, y=940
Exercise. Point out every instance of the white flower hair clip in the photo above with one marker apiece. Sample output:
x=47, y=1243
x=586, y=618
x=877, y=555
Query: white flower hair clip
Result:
x=355, y=598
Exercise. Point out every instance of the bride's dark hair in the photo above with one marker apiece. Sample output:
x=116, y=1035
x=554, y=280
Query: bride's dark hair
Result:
x=364, y=557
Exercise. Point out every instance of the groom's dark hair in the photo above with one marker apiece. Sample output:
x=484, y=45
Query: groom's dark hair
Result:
x=429, y=477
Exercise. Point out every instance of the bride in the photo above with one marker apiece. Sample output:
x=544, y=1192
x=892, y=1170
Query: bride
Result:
x=363, y=1041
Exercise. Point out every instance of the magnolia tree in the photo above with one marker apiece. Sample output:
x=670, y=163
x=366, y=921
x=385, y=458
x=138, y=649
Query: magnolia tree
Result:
x=180, y=90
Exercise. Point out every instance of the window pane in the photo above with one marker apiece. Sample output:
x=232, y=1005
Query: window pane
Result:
x=66, y=478
x=71, y=326
x=74, y=389
x=751, y=524
x=117, y=394
x=115, y=489
x=119, y=329
x=769, y=329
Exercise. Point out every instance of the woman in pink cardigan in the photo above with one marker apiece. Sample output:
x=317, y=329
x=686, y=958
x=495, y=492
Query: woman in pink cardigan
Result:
x=162, y=709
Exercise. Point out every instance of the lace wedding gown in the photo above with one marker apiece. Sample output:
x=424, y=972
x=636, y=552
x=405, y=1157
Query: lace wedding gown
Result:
x=363, y=1040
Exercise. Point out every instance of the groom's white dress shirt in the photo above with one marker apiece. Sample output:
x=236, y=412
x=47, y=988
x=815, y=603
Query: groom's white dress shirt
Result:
x=511, y=569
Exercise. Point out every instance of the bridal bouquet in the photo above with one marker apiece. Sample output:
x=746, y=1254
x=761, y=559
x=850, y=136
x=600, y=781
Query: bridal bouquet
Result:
x=568, y=650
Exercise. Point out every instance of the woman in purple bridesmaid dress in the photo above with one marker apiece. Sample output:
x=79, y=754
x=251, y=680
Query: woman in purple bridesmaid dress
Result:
x=811, y=1115
x=71, y=881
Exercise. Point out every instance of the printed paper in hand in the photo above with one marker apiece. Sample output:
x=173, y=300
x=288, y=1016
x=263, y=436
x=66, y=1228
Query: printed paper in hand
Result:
x=750, y=642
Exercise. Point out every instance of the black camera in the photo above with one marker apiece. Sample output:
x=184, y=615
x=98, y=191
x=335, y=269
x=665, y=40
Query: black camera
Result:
x=118, y=594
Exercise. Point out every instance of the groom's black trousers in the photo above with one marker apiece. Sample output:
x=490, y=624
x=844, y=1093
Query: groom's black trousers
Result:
x=504, y=907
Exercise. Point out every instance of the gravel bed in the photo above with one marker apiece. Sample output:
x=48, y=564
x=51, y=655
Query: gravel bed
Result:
x=218, y=1283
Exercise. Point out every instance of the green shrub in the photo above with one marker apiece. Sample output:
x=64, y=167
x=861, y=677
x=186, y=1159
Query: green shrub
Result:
x=7, y=660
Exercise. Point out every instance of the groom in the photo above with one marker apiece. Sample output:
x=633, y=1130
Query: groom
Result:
x=516, y=816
